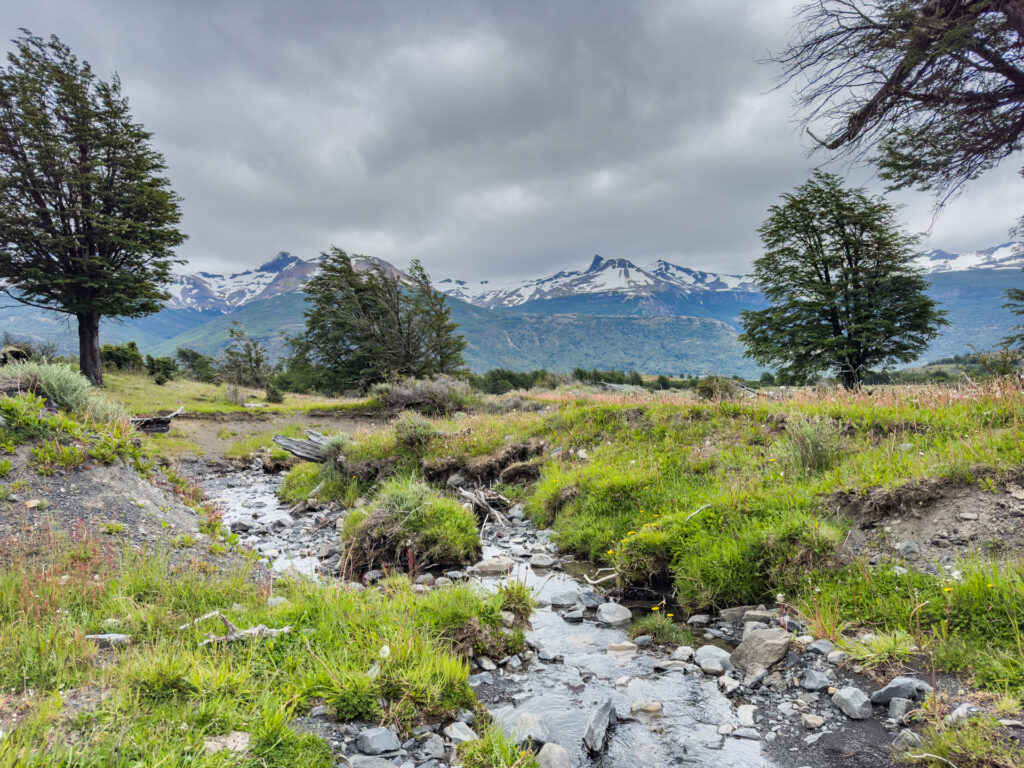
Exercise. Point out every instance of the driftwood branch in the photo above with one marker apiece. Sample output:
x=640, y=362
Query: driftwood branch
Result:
x=482, y=500
x=156, y=424
x=310, y=449
x=234, y=633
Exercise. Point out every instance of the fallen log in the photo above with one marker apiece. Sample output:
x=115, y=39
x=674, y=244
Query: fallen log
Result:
x=155, y=424
x=310, y=449
x=234, y=633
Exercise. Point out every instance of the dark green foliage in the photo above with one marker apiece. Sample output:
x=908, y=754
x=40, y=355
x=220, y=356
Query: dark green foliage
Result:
x=367, y=325
x=244, y=361
x=87, y=221
x=123, y=357
x=937, y=85
x=1015, y=303
x=498, y=381
x=162, y=369
x=274, y=394
x=767, y=379
x=845, y=294
x=195, y=365
x=39, y=351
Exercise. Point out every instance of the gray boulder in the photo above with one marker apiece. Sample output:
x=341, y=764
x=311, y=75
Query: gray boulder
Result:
x=374, y=741
x=460, y=732
x=822, y=646
x=906, y=740
x=553, y=756
x=614, y=614
x=496, y=566
x=814, y=680
x=597, y=727
x=712, y=659
x=528, y=729
x=853, y=702
x=542, y=560
x=901, y=687
x=899, y=707
x=110, y=640
x=764, y=646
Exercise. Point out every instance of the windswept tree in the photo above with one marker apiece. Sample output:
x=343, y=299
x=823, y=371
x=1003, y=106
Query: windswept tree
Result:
x=845, y=293
x=934, y=87
x=372, y=324
x=87, y=220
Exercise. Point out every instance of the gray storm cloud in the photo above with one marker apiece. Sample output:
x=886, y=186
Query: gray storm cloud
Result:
x=485, y=139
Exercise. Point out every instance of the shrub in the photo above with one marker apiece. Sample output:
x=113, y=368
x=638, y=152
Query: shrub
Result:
x=195, y=365
x=336, y=447
x=812, y=443
x=274, y=395
x=122, y=357
x=162, y=369
x=715, y=388
x=63, y=386
x=413, y=431
x=439, y=395
x=234, y=395
x=102, y=409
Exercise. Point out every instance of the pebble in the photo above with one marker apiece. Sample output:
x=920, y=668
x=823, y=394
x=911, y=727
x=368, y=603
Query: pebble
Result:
x=745, y=715
x=853, y=702
x=459, y=732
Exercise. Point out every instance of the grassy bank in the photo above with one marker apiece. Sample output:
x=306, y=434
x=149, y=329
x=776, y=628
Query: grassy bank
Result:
x=733, y=502
x=155, y=701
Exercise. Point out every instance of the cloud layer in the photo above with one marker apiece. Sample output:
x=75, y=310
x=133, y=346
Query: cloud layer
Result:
x=487, y=139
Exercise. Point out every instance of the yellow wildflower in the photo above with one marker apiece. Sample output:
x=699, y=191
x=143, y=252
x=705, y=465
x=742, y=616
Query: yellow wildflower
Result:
x=656, y=608
x=948, y=589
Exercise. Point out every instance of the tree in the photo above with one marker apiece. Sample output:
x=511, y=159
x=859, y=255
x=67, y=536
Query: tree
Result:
x=936, y=85
x=244, y=360
x=372, y=324
x=196, y=365
x=87, y=221
x=845, y=295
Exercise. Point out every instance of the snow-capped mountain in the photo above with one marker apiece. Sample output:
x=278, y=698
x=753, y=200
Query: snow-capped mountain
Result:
x=603, y=276
x=1005, y=256
x=224, y=293
x=658, y=288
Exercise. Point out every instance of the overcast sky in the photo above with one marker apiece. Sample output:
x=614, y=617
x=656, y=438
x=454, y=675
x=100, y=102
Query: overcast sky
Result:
x=487, y=139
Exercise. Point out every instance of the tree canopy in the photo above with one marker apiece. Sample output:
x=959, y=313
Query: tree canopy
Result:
x=937, y=86
x=87, y=220
x=845, y=295
x=368, y=323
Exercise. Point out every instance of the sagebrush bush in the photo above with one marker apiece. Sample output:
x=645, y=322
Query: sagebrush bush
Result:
x=336, y=446
x=439, y=395
x=413, y=431
x=812, y=443
x=63, y=386
x=102, y=409
x=715, y=388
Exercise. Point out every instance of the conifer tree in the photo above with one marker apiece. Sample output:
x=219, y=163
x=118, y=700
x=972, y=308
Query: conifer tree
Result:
x=87, y=221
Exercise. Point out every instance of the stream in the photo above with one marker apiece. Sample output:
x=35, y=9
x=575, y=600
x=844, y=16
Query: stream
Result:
x=555, y=697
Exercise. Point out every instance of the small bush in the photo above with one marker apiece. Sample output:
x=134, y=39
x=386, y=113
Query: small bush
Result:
x=122, y=357
x=440, y=395
x=336, y=447
x=274, y=395
x=879, y=648
x=412, y=431
x=102, y=410
x=61, y=385
x=234, y=395
x=715, y=388
x=812, y=443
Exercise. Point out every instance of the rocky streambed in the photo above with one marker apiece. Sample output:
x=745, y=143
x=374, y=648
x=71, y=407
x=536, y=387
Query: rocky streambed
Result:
x=755, y=690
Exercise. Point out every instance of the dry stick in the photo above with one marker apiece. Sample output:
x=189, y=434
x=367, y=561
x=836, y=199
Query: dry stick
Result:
x=695, y=513
x=234, y=633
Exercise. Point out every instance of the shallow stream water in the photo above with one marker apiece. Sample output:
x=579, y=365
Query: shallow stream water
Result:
x=563, y=695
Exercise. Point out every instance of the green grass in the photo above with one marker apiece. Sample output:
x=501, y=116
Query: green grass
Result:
x=662, y=628
x=976, y=743
x=265, y=439
x=142, y=396
x=165, y=693
x=495, y=750
x=406, y=520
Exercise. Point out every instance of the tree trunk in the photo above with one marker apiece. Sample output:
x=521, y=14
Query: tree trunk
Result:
x=89, y=348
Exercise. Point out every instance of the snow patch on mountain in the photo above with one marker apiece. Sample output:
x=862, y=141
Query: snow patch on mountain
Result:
x=1005, y=256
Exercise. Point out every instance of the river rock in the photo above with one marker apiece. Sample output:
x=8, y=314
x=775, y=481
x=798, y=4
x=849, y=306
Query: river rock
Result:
x=712, y=660
x=646, y=708
x=529, y=729
x=906, y=740
x=814, y=680
x=765, y=647
x=591, y=599
x=460, y=732
x=902, y=687
x=573, y=617
x=597, y=727
x=434, y=746
x=542, y=560
x=564, y=599
x=755, y=674
x=236, y=741
x=822, y=646
x=853, y=702
x=812, y=722
x=745, y=715
x=898, y=708
x=363, y=761
x=682, y=653
x=553, y=756
x=496, y=566
x=961, y=713
x=614, y=614
x=735, y=614
x=374, y=741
